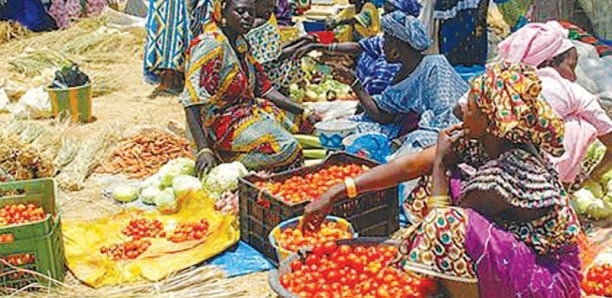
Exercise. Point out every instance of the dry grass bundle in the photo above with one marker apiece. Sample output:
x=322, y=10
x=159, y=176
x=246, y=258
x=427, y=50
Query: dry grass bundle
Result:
x=206, y=281
x=66, y=154
x=22, y=161
x=12, y=30
x=73, y=176
x=33, y=62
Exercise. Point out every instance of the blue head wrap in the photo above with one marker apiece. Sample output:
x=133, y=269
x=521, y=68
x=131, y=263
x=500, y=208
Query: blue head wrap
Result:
x=409, y=7
x=407, y=28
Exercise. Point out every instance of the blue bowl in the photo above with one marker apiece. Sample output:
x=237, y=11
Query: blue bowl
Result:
x=331, y=133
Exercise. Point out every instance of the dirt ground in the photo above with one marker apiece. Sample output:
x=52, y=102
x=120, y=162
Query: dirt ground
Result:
x=127, y=107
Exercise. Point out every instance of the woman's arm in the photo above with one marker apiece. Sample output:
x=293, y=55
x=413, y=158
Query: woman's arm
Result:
x=404, y=168
x=194, y=122
x=370, y=106
x=283, y=102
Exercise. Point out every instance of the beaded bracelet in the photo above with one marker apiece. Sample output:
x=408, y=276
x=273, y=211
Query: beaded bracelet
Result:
x=204, y=150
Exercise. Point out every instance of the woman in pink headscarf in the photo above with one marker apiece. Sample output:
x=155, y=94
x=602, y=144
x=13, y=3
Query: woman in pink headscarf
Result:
x=546, y=46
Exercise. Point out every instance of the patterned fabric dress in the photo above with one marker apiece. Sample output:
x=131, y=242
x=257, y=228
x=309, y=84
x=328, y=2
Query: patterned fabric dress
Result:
x=63, y=11
x=577, y=33
x=239, y=126
x=171, y=24
x=266, y=47
x=431, y=91
x=528, y=248
x=463, y=30
x=508, y=259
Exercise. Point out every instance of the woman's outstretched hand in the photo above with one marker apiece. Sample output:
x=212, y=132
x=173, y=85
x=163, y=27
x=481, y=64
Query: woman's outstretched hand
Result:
x=316, y=211
x=447, y=139
x=344, y=75
x=204, y=163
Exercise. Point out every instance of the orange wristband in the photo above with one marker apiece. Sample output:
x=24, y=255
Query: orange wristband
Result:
x=351, y=188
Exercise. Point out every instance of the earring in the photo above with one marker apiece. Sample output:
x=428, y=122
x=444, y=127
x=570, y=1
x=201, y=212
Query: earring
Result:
x=223, y=22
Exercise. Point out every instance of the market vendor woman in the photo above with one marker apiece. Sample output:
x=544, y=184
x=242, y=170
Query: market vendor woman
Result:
x=232, y=110
x=512, y=232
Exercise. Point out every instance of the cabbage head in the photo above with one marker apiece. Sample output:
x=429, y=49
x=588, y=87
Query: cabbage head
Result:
x=223, y=178
x=184, y=185
x=166, y=201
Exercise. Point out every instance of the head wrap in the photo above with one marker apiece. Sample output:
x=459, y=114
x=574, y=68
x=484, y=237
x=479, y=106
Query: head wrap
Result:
x=409, y=7
x=534, y=44
x=508, y=94
x=407, y=28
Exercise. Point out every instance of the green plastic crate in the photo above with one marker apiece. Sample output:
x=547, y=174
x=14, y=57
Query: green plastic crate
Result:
x=41, y=240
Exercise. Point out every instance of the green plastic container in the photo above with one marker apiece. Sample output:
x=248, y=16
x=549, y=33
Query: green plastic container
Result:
x=74, y=102
x=41, y=242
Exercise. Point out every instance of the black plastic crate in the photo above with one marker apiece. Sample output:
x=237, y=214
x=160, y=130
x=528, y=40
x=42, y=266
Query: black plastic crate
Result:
x=371, y=214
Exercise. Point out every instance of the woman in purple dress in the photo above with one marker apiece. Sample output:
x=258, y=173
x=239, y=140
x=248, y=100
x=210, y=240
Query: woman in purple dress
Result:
x=512, y=232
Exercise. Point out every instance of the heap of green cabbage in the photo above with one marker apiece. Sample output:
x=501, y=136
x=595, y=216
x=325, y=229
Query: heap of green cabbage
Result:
x=595, y=198
x=172, y=183
x=223, y=178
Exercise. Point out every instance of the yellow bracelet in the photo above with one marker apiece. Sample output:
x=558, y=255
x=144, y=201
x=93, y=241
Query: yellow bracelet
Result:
x=438, y=202
x=351, y=188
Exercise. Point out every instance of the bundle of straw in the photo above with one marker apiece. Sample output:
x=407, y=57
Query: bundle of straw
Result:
x=206, y=281
x=12, y=30
x=73, y=176
x=33, y=62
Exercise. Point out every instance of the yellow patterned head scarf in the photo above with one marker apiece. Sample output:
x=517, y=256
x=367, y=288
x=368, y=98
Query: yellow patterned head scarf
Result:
x=509, y=95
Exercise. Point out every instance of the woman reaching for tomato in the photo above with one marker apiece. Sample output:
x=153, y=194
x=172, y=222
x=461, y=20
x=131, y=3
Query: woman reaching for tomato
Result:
x=512, y=232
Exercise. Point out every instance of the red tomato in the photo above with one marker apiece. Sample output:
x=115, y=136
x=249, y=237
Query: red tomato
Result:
x=329, y=247
x=295, y=265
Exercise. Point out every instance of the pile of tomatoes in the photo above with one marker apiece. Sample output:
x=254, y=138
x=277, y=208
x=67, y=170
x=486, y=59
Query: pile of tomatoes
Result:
x=144, y=228
x=300, y=189
x=17, y=261
x=353, y=271
x=139, y=230
x=189, y=231
x=15, y=214
x=127, y=250
x=292, y=239
x=598, y=280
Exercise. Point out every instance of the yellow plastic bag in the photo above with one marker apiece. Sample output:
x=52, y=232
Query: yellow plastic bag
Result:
x=83, y=240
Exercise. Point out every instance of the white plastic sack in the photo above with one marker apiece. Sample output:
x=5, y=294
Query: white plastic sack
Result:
x=121, y=20
x=34, y=104
x=329, y=110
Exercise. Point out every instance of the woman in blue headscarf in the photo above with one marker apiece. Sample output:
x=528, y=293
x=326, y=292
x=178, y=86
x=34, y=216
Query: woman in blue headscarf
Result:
x=373, y=70
x=424, y=84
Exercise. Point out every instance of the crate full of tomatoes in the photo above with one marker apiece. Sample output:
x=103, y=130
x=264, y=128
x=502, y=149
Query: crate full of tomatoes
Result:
x=363, y=267
x=265, y=202
x=30, y=234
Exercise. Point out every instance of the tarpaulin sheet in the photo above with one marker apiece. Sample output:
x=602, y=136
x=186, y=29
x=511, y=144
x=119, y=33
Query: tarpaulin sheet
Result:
x=83, y=240
x=240, y=260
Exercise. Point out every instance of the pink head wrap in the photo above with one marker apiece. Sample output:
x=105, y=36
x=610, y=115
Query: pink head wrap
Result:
x=534, y=44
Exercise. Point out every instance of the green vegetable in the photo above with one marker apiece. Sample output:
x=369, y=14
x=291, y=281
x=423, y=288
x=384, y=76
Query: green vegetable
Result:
x=166, y=201
x=148, y=195
x=583, y=199
x=223, y=178
x=595, y=188
x=184, y=185
x=175, y=167
x=125, y=193
x=600, y=210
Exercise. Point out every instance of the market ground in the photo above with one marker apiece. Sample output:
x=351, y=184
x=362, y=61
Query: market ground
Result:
x=129, y=107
